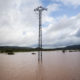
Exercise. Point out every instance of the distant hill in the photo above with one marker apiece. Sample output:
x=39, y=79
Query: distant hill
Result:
x=73, y=47
x=24, y=49
x=14, y=48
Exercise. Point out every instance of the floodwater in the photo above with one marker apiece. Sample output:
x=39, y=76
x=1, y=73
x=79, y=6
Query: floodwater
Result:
x=54, y=66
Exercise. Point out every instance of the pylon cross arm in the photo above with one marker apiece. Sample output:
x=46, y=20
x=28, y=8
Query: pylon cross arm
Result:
x=40, y=9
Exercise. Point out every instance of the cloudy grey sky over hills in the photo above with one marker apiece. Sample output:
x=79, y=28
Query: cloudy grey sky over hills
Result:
x=19, y=22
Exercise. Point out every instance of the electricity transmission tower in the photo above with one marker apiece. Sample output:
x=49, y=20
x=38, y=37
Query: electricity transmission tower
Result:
x=40, y=9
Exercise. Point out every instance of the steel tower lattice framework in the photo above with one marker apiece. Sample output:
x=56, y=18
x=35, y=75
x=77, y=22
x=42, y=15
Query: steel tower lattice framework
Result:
x=40, y=9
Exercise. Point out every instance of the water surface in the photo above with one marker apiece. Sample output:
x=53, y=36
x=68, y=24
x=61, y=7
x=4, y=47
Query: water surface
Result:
x=54, y=66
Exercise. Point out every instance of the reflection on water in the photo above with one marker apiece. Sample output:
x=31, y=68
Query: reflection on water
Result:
x=40, y=67
x=39, y=56
x=52, y=66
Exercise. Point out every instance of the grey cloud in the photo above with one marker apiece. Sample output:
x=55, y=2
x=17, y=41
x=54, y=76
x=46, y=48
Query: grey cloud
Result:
x=63, y=32
x=78, y=33
x=15, y=18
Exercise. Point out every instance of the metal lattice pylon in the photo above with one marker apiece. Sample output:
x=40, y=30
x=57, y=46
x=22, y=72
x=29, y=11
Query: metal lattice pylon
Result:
x=40, y=9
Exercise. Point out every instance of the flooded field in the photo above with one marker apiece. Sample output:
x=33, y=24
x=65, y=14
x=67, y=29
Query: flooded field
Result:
x=54, y=66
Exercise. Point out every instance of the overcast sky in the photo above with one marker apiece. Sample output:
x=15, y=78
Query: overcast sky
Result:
x=19, y=23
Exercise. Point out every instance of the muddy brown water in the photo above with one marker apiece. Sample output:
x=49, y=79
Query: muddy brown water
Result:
x=54, y=66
